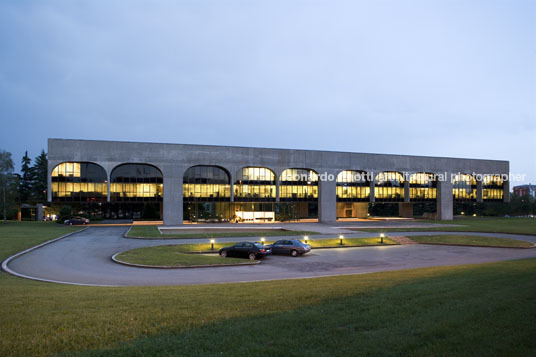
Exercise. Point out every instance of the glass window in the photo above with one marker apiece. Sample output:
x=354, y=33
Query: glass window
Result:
x=353, y=186
x=206, y=184
x=79, y=182
x=492, y=188
x=136, y=182
x=422, y=187
x=298, y=185
x=254, y=184
x=464, y=188
x=389, y=187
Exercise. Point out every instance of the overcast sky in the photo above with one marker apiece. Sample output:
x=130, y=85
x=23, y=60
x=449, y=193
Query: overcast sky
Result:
x=437, y=78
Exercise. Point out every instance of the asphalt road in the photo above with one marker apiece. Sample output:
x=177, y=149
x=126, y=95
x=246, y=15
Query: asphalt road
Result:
x=85, y=258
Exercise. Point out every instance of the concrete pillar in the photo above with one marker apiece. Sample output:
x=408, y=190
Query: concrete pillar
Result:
x=277, y=176
x=327, y=200
x=479, y=191
x=405, y=209
x=372, y=191
x=173, y=177
x=444, y=200
x=39, y=213
x=108, y=175
x=406, y=193
x=506, y=191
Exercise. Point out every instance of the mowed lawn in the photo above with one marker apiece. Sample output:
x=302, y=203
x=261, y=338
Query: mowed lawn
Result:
x=153, y=232
x=486, y=309
x=486, y=225
x=472, y=240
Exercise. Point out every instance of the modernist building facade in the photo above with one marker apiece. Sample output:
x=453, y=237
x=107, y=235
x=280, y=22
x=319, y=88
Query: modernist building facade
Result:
x=227, y=183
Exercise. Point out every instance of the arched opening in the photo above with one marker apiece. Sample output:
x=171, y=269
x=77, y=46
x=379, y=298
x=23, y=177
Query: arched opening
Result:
x=464, y=188
x=422, y=187
x=389, y=187
x=206, y=194
x=353, y=194
x=79, y=182
x=492, y=188
x=298, y=193
x=136, y=192
x=255, y=195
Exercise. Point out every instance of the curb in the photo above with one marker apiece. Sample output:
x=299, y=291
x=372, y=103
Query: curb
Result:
x=115, y=260
x=478, y=246
x=14, y=273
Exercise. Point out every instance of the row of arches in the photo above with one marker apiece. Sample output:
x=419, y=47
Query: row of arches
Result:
x=85, y=181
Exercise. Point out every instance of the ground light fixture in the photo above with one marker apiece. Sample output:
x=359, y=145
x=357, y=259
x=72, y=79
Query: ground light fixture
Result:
x=262, y=240
x=341, y=237
x=212, y=244
x=305, y=238
x=381, y=237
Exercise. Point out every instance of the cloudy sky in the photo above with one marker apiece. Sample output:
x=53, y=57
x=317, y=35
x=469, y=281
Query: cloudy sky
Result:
x=439, y=78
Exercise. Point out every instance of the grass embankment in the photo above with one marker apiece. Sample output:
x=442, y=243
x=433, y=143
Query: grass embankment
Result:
x=177, y=255
x=472, y=240
x=485, y=225
x=173, y=256
x=152, y=232
x=486, y=309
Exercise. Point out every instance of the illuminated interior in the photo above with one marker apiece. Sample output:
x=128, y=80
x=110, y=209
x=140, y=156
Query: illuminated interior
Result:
x=206, y=183
x=254, y=184
x=298, y=185
x=136, y=182
x=464, y=188
x=422, y=187
x=492, y=188
x=352, y=186
x=79, y=182
x=389, y=186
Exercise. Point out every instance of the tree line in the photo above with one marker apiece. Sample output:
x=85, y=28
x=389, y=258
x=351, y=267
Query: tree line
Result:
x=28, y=187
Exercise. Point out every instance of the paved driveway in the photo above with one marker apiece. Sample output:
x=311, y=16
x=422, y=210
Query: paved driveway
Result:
x=85, y=258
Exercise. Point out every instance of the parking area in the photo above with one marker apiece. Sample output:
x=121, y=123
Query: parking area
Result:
x=85, y=258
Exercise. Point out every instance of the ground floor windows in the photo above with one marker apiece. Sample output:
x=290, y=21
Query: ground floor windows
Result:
x=136, y=182
x=206, y=183
x=422, y=187
x=248, y=212
x=389, y=186
x=352, y=186
x=492, y=188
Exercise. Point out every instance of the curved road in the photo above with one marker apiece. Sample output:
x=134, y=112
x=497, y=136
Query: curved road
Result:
x=85, y=258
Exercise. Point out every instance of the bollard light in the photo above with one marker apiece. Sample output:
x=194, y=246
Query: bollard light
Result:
x=262, y=240
x=381, y=238
x=212, y=244
x=305, y=238
x=341, y=237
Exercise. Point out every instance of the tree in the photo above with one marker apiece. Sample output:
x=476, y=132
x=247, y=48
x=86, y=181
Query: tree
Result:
x=40, y=175
x=26, y=179
x=6, y=176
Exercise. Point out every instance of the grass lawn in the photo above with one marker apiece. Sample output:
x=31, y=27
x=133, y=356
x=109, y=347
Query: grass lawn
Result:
x=486, y=309
x=486, y=225
x=172, y=255
x=153, y=232
x=472, y=240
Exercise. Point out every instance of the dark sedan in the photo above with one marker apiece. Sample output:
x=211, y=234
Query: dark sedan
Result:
x=76, y=220
x=247, y=250
x=292, y=247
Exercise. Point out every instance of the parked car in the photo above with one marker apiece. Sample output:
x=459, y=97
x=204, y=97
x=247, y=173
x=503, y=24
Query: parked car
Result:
x=292, y=247
x=249, y=250
x=76, y=220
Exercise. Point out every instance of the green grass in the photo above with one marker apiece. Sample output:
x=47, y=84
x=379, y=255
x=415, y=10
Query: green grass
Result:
x=486, y=309
x=172, y=255
x=472, y=240
x=153, y=232
x=485, y=225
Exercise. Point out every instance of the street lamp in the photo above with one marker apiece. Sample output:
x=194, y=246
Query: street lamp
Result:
x=341, y=237
x=212, y=244
x=305, y=238
x=381, y=237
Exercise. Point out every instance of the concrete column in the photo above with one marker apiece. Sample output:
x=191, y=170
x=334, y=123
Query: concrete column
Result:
x=372, y=191
x=444, y=200
x=506, y=191
x=108, y=176
x=51, y=165
x=406, y=192
x=327, y=201
x=40, y=214
x=479, y=191
x=405, y=210
x=173, y=177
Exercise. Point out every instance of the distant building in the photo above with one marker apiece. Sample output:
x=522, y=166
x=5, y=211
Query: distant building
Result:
x=523, y=190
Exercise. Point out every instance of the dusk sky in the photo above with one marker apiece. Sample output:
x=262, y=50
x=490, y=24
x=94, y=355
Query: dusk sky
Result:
x=435, y=78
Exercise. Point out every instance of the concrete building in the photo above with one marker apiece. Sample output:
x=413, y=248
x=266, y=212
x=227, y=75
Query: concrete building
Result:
x=228, y=183
x=523, y=190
